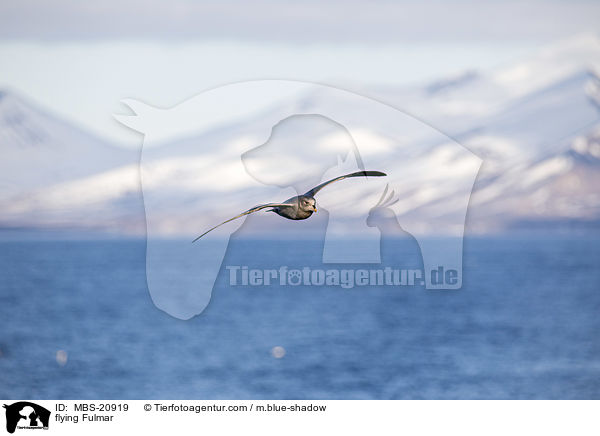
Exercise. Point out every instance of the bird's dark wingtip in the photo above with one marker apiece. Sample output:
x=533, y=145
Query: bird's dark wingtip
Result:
x=375, y=173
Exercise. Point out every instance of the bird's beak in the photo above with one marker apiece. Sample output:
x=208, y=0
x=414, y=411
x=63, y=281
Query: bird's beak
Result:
x=315, y=208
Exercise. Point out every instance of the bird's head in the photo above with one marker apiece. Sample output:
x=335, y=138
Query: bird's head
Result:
x=307, y=204
x=382, y=212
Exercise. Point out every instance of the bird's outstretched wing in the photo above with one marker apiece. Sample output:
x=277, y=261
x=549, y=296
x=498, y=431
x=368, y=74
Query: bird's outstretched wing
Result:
x=316, y=189
x=249, y=211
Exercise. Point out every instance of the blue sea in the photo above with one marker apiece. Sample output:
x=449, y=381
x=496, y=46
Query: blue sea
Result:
x=526, y=324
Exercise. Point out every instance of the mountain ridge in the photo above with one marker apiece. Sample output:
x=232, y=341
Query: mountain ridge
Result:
x=541, y=152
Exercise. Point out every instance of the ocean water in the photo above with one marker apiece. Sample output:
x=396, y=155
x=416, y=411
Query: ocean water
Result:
x=526, y=324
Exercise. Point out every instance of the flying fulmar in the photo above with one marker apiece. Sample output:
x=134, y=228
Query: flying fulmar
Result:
x=299, y=207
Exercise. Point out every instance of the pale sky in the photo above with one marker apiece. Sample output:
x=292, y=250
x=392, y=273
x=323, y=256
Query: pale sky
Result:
x=85, y=82
x=79, y=59
x=306, y=21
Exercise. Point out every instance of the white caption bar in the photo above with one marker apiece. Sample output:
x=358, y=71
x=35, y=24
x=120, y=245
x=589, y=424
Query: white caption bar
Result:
x=302, y=417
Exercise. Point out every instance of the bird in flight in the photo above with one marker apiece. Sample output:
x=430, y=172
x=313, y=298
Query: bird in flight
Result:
x=299, y=207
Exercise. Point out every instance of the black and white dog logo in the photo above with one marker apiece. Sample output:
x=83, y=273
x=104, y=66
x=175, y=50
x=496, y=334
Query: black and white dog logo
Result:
x=26, y=415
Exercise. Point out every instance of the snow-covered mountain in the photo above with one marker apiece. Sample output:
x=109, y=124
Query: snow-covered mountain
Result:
x=43, y=157
x=38, y=148
x=535, y=124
